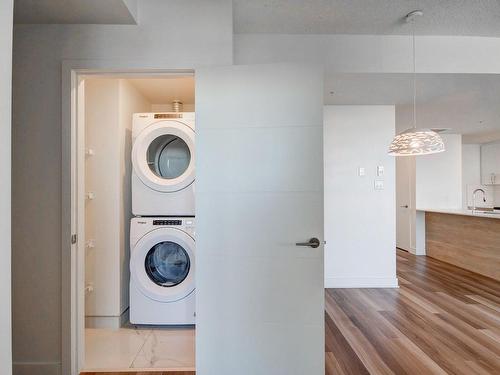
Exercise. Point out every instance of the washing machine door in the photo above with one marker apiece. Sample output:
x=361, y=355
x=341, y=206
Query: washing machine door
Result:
x=162, y=264
x=163, y=156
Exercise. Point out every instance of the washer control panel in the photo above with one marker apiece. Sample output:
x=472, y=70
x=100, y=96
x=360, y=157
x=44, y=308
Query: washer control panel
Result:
x=139, y=226
x=167, y=222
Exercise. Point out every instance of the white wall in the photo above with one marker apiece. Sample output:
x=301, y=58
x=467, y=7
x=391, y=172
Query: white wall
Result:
x=360, y=227
x=172, y=34
x=372, y=53
x=439, y=176
x=6, y=8
x=102, y=178
x=130, y=101
x=109, y=105
x=471, y=165
x=186, y=107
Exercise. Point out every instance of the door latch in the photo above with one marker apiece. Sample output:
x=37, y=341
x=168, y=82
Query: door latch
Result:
x=313, y=242
x=74, y=237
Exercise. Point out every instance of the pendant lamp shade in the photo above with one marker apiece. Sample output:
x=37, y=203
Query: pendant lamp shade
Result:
x=416, y=141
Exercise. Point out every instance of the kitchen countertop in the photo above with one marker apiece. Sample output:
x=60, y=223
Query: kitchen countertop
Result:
x=461, y=211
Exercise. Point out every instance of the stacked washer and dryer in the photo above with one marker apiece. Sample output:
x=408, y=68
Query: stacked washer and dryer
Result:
x=162, y=254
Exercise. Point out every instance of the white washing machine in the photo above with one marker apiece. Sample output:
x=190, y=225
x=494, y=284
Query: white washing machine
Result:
x=162, y=264
x=163, y=155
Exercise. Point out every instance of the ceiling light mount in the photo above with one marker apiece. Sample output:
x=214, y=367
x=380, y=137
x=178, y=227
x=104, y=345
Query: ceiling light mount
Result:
x=413, y=16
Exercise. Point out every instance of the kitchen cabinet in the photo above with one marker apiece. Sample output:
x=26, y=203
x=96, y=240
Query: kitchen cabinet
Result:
x=490, y=163
x=444, y=242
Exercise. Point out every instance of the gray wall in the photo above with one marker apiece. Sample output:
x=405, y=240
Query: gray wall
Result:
x=178, y=33
x=6, y=7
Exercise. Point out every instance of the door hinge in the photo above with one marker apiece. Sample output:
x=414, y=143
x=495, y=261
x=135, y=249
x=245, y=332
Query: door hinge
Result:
x=74, y=237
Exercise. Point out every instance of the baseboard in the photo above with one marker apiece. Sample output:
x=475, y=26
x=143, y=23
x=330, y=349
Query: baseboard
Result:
x=112, y=322
x=38, y=368
x=361, y=282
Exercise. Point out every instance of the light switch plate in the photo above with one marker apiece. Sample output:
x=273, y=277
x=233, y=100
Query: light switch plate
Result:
x=379, y=185
x=361, y=171
x=380, y=170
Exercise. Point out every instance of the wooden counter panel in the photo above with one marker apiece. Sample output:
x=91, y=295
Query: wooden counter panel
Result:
x=468, y=242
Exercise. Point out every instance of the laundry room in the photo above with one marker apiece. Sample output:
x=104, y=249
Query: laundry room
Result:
x=135, y=168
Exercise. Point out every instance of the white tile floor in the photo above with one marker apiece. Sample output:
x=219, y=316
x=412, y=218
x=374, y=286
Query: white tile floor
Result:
x=139, y=348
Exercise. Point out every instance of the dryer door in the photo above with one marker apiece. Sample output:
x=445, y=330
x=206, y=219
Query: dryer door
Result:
x=162, y=264
x=163, y=156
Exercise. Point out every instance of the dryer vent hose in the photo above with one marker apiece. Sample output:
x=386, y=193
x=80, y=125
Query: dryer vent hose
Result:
x=176, y=106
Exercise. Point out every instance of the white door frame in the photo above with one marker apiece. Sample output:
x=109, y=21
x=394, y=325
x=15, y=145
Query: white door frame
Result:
x=72, y=192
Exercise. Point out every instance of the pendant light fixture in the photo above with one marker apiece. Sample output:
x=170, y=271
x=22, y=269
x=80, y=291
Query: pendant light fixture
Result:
x=416, y=141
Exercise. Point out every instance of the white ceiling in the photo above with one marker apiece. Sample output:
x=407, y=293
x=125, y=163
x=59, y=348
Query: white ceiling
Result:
x=441, y=17
x=75, y=11
x=469, y=104
x=166, y=89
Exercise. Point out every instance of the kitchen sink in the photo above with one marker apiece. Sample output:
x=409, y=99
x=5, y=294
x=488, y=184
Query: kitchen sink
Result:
x=485, y=210
x=489, y=212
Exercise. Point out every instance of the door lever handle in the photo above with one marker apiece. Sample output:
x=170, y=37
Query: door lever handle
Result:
x=313, y=242
x=405, y=206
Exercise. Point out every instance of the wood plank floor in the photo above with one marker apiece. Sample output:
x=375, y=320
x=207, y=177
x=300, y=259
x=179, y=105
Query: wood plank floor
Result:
x=141, y=373
x=442, y=320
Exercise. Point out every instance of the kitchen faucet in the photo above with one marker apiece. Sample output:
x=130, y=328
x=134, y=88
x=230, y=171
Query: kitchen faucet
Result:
x=474, y=198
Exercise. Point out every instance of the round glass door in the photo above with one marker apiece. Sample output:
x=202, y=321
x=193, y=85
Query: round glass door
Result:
x=162, y=264
x=167, y=264
x=163, y=156
x=168, y=156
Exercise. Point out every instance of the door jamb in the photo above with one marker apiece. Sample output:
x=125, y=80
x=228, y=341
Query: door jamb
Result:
x=72, y=214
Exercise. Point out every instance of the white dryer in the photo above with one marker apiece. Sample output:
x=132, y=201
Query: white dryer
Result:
x=162, y=267
x=163, y=159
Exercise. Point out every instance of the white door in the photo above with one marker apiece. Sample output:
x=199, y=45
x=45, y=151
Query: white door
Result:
x=260, y=297
x=6, y=21
x=405, y=210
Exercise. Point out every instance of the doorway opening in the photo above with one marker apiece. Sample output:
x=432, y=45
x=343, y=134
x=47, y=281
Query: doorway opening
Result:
x=261, y=249
x=131, y=260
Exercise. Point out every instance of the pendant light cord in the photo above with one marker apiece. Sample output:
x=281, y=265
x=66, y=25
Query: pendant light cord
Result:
x=414, y=77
